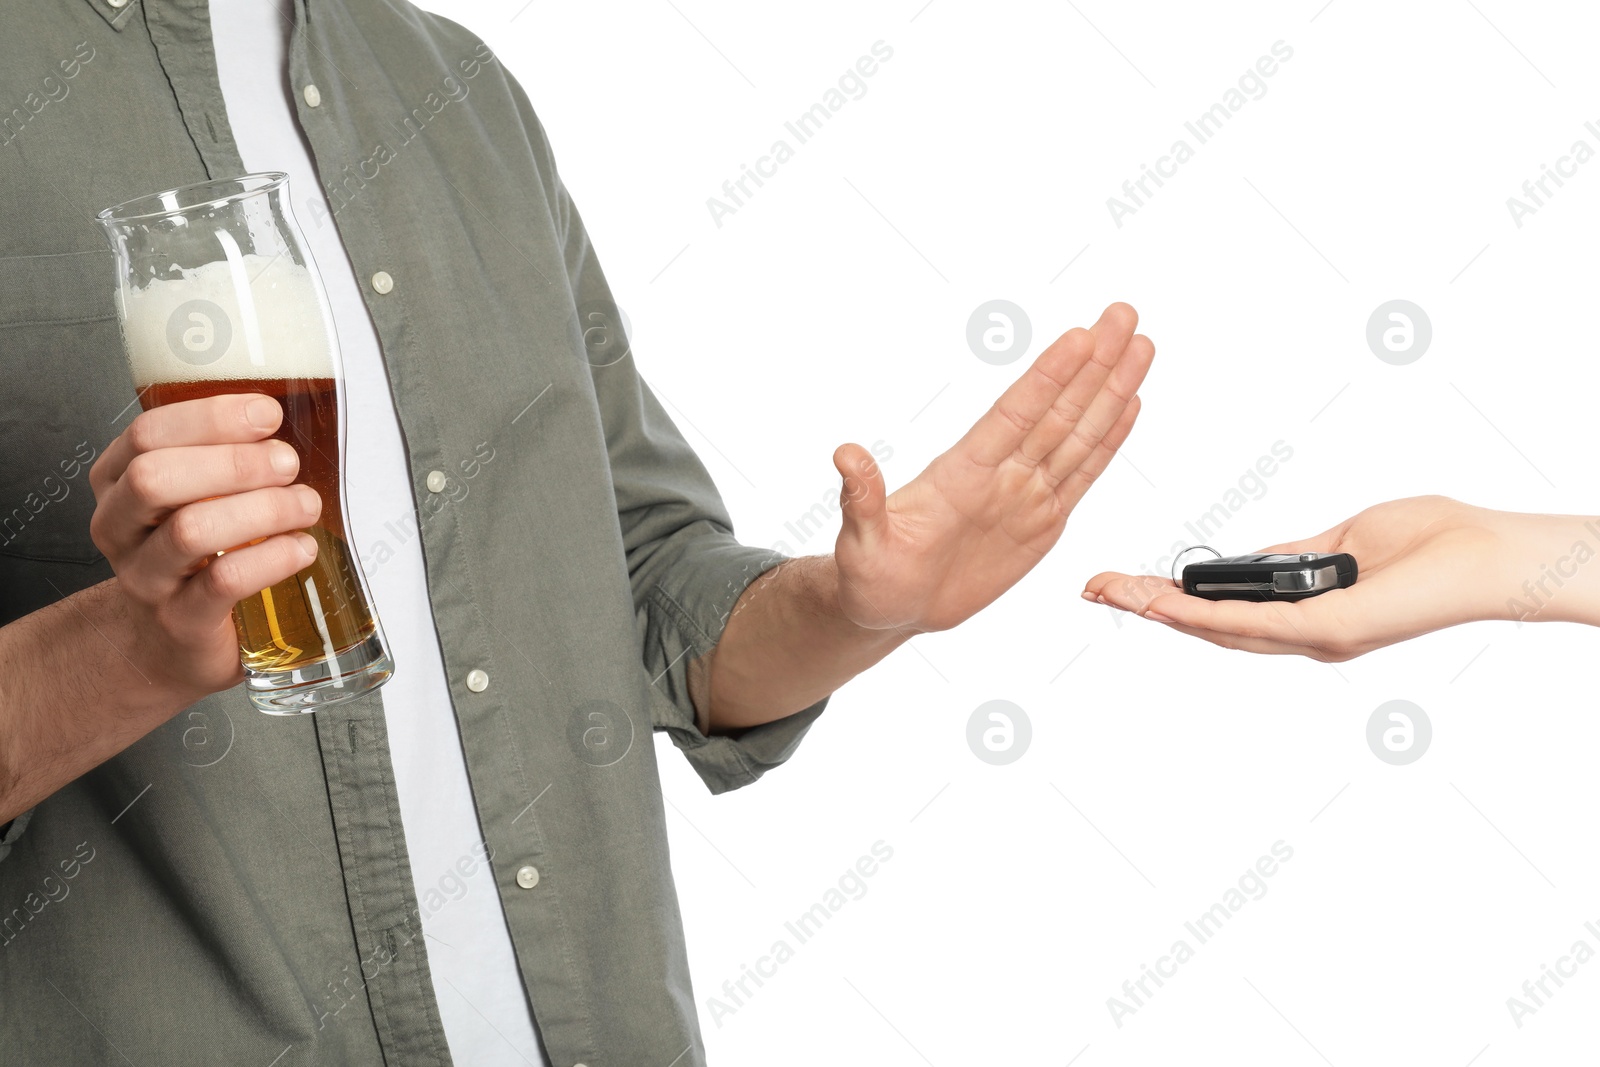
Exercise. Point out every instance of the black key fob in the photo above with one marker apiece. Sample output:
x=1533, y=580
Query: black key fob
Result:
x=1269, y=577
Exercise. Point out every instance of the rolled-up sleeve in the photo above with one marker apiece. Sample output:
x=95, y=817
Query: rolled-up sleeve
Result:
x=687, y=569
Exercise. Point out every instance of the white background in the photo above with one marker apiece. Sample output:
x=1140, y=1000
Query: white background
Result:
x=833, y=307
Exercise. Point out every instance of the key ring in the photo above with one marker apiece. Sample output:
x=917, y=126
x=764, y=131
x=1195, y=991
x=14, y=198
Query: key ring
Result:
x=1192, y=548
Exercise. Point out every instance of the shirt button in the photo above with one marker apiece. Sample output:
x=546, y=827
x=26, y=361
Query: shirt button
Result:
x=477, y=681
x=528, y=877
x=313, y=95
x=436, y=481
x=117, y=3
x=382, y=282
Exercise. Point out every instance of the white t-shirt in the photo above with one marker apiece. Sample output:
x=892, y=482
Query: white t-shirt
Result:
x=482, y=1003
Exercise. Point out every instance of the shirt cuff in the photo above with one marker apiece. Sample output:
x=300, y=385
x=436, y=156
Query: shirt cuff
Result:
x=683, y=621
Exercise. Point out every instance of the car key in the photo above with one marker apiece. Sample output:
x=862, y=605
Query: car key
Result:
x=1270, y=576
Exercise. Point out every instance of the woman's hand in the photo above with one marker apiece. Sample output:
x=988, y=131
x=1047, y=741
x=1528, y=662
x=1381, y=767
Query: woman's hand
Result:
x=1424, y=563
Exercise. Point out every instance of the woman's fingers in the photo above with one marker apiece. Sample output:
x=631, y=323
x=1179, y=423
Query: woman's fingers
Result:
x=1260, y=645
x=1130, y=592
x=1302, y=627
x=1288, y=623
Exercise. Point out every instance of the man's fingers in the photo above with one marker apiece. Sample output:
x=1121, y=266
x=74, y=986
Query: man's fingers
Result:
x=1112, y=336
x=1077, y=482
x=863, y=494
x=232, y=577
x=154, y=484
x=1003, y=427
x=1103, y=411
x=1040, y=408
x=193, y=535
x=231, y=418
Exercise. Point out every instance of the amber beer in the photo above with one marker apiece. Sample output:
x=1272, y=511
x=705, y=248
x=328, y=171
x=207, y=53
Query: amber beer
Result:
x=216, y=293
x=321, y=611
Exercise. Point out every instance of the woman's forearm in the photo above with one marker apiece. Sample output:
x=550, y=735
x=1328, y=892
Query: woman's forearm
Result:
x=1552, y=570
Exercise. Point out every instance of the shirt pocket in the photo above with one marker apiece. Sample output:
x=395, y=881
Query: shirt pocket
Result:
x=66, y=394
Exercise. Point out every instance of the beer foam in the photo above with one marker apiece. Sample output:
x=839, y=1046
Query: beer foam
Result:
x=251, y=318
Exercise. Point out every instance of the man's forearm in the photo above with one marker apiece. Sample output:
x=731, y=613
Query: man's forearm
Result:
x=73, y=694
x=786, y=646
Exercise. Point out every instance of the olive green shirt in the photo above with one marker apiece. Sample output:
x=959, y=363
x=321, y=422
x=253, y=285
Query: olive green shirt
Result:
x=234, y=888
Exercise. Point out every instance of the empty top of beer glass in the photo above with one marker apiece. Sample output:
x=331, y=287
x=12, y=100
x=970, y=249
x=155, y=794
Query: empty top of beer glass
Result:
x=187, y=199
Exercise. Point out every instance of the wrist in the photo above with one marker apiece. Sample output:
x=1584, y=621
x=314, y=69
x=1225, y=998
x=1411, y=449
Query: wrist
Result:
x=788, y=643
x=827, y=594
x=1550, y=573
x=153, y=681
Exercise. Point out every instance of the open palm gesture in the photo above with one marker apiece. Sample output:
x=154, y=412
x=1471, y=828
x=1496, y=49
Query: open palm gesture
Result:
x=948, y=543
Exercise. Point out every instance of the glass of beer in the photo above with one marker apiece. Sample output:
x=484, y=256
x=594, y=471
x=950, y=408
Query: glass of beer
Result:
x=217, y=293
